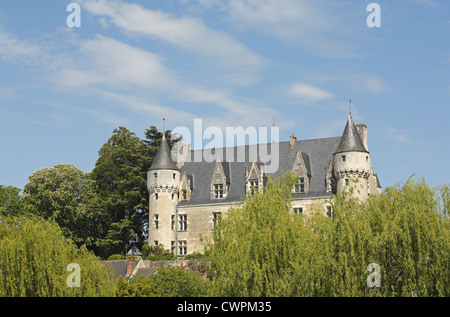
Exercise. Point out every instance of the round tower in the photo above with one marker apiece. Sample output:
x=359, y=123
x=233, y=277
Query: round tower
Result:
x=351, y=163
x=163, y=179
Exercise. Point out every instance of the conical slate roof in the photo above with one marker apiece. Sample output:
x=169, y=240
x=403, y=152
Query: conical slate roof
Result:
x=163, y=158
x=351, y=140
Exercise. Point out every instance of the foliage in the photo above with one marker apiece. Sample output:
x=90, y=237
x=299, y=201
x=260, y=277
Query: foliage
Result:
x=262, y=249
x=34, y=259
x=167, y=282
x=59, y=194
x=10, y=204
x=156, y=253
x=120, y=177
x=116, y=257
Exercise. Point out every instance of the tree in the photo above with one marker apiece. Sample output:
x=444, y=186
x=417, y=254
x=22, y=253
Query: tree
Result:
x=166, y=282
x=120, y=183
x=120, y=177
x=59, y=193
x=35, y=260
x=10, y=204
x=262, y=249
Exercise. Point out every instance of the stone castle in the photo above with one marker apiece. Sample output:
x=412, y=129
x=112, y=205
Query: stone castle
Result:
x=187, y=198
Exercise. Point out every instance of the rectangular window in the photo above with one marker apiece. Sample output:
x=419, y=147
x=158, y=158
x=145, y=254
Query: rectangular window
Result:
x=182, y=247
x=253, y=187
x=300, y=186
x=156, y=221
x=298, y=210
x=172, y=222
x=216, y=217
x=329, y=211
x=174, y=175
x=155, y=175
x=182, y=222
x=172, y=246
x=184, y=194
x=156, y=196
x=218, y=191
x=344, y=158
x=155, y=243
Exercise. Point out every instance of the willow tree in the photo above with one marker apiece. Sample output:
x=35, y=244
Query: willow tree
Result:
x=263, y=249
x=38, y=261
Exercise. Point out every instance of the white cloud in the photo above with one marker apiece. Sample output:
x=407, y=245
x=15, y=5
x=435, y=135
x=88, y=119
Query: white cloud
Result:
x=12, y=48
x=187, y=33
x=318, y=26
x=397, y=135
x=308, y=93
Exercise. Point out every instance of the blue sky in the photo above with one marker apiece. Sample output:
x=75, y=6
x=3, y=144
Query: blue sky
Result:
x=230, y=63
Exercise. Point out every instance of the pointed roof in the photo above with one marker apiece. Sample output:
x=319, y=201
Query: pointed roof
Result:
x=163, y=158
x=351, y=140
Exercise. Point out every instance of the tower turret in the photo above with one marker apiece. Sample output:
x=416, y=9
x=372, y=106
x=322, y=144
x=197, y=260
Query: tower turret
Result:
x=163, y=179
x=351, y=162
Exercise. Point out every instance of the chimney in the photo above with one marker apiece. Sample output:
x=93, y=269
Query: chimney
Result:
x=131, y=265
x=292, y=140
x=362, y=131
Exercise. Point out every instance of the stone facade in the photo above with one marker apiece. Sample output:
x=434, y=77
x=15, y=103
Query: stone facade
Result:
x=187, y=199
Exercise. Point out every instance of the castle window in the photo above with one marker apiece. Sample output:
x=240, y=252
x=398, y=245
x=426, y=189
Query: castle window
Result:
x=346, y=181
x=182, y=247
x=218, y=191
x=183, y=222
x=367, y=159
x=184, y=194
x=329, y=211
x=156, y=196
x=298, y=210
x=253, y=187
x=155, y=175
x=172, y=222
x=155, y=243
x=344, y=158
x=156, y=221
x=216, y=217
x=174, y=175
x=300, y=186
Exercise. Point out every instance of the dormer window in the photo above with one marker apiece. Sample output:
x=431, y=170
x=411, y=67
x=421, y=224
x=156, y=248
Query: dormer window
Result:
x=300, y=187
x=218, y=191
x=253, y=187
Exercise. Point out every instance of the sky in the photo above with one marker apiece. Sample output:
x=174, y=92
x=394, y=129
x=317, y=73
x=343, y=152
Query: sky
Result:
x=230, y=63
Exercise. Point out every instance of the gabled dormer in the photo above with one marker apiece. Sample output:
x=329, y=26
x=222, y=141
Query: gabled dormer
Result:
x=302, y=170
x=185, y=187
x=254, y=179
x=220, y=180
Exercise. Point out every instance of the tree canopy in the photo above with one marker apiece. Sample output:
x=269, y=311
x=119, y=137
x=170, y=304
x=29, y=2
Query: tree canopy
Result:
x=263, y=249
x=35, y=257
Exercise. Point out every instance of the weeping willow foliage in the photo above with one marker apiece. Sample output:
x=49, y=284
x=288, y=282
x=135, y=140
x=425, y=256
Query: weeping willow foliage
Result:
x=34, y=255
x=263, y=249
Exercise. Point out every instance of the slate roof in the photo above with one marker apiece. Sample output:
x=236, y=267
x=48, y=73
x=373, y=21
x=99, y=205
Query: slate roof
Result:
x=351, y=140
x=163, y=158
x=316, y=155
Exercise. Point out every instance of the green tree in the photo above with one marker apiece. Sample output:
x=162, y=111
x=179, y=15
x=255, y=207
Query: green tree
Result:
x=262, y=249
x=120, y=183
x=34, y=260
x=59, y=193
x=10, y=204
x=167, y=282
x=120, y=177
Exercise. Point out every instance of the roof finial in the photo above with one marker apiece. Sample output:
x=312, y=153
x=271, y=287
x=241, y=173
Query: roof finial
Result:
x=164, y=125
x=350, y=107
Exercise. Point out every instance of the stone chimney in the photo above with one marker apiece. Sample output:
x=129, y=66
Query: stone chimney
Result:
x=362, y=131
x=292, y=140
